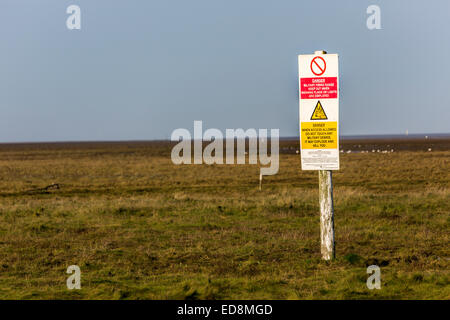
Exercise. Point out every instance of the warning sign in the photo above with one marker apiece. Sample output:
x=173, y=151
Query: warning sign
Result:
x=318, y=66
x=318, y=88
x=319, y=135
x=319, y=113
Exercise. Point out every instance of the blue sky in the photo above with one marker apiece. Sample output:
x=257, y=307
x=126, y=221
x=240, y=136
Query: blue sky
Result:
x=140, y=69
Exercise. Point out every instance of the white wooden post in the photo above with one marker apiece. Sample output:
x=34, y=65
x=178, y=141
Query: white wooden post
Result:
x=320, y=66
x=260, y=181
x=326, y=215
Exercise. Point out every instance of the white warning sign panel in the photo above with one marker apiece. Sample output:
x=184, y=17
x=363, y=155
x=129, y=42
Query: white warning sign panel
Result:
x=319, y=111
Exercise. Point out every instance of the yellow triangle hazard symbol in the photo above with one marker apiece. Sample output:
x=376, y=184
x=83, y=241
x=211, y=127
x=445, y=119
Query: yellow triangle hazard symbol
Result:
x=319, y=113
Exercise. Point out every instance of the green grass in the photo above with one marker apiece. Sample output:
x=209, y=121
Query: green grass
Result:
x=140, y=227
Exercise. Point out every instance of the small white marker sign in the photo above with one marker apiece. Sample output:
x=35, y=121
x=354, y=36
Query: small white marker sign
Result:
x=319, y=111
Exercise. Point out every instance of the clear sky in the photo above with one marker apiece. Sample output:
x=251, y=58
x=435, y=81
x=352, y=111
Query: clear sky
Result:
x=140, y=69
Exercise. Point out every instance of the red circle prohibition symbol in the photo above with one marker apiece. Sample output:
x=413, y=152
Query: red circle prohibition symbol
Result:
x=318, y=67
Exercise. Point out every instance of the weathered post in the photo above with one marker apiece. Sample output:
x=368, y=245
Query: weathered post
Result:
x=326, y=214
x=260, y=181
x=319, y=133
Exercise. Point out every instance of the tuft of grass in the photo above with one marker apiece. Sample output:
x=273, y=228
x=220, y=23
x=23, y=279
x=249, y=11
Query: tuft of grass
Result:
x=353, y=259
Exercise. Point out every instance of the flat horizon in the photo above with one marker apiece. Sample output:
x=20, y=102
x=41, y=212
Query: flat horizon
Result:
x=343, y=137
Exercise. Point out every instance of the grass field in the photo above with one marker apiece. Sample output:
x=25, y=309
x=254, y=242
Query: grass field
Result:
x=140, y=227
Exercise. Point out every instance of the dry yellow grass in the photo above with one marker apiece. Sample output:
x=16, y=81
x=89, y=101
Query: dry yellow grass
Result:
x=140, y=227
